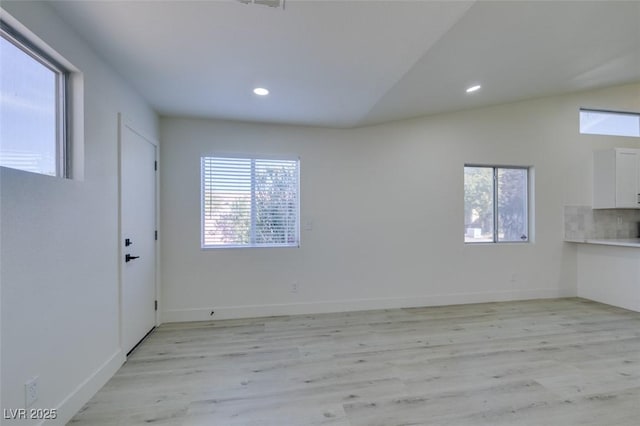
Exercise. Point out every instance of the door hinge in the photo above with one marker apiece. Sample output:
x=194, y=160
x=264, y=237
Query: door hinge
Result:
x=155, y=305
x=155, y=235
x=155, y=165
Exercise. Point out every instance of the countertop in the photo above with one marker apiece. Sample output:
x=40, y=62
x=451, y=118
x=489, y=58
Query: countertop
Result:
x=621, y=242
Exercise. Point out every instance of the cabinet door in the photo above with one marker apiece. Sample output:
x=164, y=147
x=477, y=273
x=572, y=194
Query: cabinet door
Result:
x=627, y=178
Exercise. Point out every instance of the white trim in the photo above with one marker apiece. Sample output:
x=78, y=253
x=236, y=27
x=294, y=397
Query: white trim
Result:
x=254, y=156
x=72, y=404
x=250, y=311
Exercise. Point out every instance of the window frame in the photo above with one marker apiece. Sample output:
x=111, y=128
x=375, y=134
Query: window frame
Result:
x=253, y=157
x=607, y=112
x=495, y=203
x=63, y=95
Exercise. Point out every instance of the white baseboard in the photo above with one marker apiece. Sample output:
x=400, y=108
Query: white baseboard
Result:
x=70, y=406
x=251, y=311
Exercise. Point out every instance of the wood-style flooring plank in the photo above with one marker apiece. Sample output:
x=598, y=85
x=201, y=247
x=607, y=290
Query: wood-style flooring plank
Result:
x=542, y=362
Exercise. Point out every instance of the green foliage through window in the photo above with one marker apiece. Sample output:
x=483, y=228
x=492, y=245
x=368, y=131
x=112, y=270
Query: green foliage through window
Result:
x=496, y=204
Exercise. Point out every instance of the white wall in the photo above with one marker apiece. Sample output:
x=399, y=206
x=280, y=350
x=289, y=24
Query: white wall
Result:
x=58, y=241
x=386, y=204
x=59, y=245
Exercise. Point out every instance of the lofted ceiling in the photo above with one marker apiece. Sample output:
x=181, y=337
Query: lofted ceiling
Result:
x=353, y=63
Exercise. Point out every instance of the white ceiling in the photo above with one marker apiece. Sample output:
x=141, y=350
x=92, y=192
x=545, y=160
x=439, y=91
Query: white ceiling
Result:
x=350, y=63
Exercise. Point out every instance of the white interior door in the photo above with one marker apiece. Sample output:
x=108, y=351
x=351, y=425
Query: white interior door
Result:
x=138, y=226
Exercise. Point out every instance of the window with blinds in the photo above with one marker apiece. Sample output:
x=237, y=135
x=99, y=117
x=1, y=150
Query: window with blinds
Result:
x=250, y=202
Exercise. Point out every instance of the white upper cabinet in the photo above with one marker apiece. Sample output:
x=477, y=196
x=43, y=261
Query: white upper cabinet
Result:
x=616, y=179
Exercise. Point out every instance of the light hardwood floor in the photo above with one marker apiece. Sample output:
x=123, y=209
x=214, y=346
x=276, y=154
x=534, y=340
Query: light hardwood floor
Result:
x=545, y=362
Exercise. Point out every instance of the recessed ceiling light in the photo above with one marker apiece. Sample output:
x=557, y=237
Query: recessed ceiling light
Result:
x=260, y=91
x=473, y=88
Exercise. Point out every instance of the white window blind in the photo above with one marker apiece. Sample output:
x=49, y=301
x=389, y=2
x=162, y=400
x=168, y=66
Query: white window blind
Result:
x=250, y=202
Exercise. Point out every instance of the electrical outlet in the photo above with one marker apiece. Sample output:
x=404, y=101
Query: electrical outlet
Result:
x=294, y=286
x=30, y=392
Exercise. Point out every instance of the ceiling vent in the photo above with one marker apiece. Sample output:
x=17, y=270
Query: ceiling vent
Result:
x=271, y=3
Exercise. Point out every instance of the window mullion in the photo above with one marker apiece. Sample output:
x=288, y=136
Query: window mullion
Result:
x=495, y=204
x=252, y=228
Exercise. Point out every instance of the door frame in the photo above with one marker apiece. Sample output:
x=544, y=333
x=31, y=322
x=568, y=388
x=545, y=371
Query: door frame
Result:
x=125, y=122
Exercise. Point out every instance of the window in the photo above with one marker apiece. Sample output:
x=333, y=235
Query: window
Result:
x=496, y=204
x=250, y=202
x=32, y=107
x=611, y=123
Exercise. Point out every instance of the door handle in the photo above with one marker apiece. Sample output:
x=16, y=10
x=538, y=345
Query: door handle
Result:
x=128, y=257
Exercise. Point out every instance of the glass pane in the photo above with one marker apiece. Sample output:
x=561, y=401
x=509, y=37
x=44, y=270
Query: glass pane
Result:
x=276, y=194
x=609, y=123
x=226, y=201
x=27, y=112
x=512, y=205
x=478, y=204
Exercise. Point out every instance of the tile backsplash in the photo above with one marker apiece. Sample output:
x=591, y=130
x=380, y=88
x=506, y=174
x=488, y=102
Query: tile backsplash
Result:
x=582, y=223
